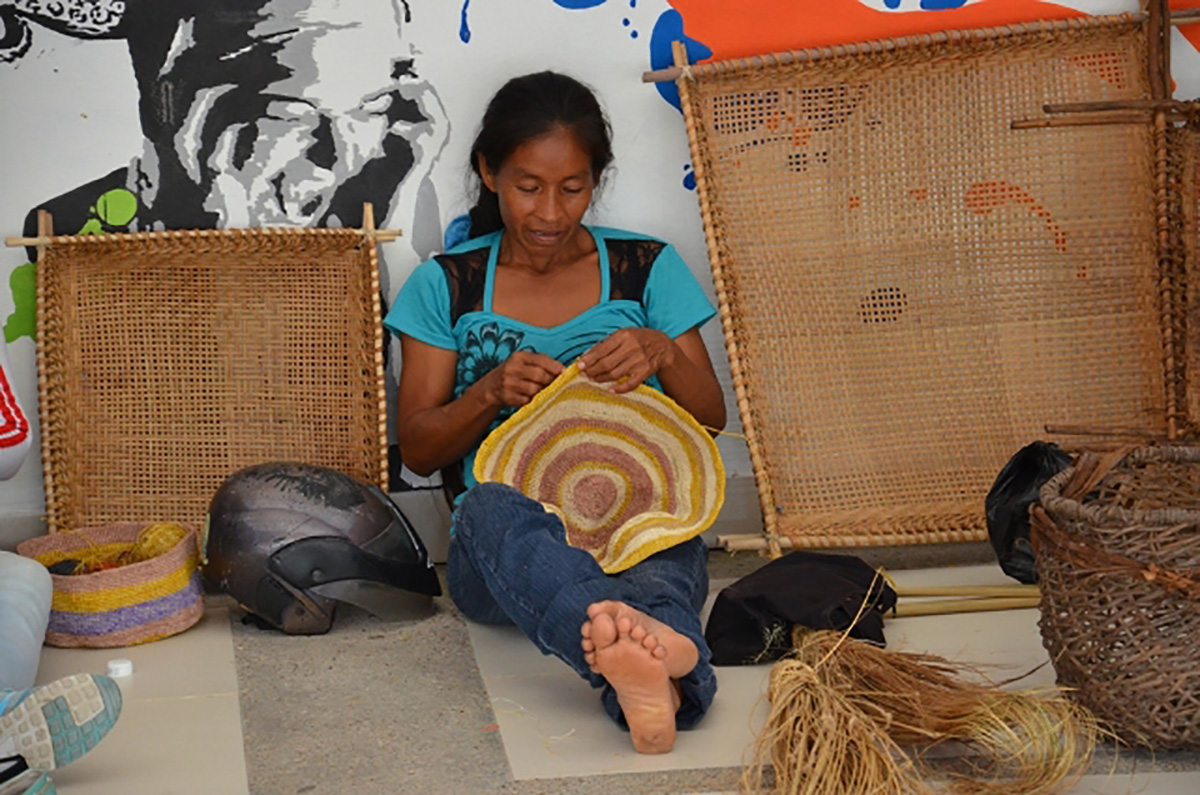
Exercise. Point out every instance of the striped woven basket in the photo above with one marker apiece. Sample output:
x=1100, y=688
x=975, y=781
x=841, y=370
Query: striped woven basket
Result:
x=125, y=606
x=629, y=475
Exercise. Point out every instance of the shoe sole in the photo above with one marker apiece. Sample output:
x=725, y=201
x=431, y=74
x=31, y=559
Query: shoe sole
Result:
x=60, y=722
x=31, y=782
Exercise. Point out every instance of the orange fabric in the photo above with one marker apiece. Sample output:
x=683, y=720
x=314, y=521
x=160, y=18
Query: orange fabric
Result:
x=761, y=26
x=773, y=25
x=1190, y=32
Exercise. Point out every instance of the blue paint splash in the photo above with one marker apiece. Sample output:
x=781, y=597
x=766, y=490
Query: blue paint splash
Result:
x=577, y=4
x=689, y=179
x=464, y=30
x=667, y=29
x=929, y=5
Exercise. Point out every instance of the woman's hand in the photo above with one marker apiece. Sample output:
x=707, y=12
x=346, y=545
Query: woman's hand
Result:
x=628, y=357
x=434, y=428
x=520, y=377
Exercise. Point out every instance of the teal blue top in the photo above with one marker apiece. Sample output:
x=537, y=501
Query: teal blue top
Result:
x=644, y=283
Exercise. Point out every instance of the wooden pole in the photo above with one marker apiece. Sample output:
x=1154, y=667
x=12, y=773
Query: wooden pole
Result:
x=380, y=235
x=751, y=542
x=45, y=228
x=1081, y=121
x=369, y=230
x=1165, y=49
x=963, y=591
x=949, y=606
x=1158, y=37
x=1116, y=104
x=1103, y=430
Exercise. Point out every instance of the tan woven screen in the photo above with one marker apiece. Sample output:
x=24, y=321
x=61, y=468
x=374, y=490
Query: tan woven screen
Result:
x=1190, y=200
x=167, y=361
x=911, y=289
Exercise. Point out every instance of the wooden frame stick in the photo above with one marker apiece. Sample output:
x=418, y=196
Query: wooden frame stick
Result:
x=1015, y=590
x=13, y=241
x=1081, y=121
x=1185, y=16
x=369, y=231
x=943, y=607
x=1116, y=104
x=1102, y=430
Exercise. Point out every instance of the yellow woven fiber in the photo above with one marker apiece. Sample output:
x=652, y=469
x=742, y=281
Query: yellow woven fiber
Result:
x=112, y=598
x=94, y=553
x=151, y=542
x=629, y=474
x=155, y=540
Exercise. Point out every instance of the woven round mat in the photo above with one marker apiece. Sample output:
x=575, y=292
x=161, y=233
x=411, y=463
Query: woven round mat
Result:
x=629, y=474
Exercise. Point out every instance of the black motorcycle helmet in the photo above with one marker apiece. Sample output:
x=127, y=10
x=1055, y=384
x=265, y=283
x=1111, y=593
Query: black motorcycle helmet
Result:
x=290, y=541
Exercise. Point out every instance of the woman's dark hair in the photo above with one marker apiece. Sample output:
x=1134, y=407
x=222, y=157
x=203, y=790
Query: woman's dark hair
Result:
x=525, y=108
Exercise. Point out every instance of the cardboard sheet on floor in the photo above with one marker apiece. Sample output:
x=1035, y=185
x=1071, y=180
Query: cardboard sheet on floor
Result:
x=552, y=724
x=180, y=713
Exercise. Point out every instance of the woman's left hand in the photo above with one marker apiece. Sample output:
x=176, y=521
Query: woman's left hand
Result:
x=628, y=357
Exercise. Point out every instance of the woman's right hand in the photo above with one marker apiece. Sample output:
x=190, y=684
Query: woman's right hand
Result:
x=520, y=377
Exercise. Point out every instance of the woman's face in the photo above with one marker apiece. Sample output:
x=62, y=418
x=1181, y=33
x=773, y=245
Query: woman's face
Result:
x=545, y=187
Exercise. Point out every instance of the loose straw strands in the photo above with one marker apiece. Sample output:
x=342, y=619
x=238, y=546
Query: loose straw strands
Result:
x=819, y=742
x=841, y=708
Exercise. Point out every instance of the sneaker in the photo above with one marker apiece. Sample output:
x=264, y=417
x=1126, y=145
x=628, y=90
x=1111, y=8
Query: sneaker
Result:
x=17, y=778
x=53, y=725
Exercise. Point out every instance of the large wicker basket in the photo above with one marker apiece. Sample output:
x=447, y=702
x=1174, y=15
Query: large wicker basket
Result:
x=1120, y=583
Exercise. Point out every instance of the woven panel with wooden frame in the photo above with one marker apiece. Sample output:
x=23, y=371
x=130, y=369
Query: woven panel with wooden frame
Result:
x=167, y=361
x=910, y=288
x=1190, y=189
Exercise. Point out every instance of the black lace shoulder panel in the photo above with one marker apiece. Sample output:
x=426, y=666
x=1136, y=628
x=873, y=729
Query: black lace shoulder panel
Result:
x=629, y=264
x=466, y=275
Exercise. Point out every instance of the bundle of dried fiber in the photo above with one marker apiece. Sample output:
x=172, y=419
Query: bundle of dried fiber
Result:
x=1029, y=742
x=819, y=741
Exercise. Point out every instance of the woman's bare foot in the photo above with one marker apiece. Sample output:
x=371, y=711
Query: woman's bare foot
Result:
x=603, y=632
x=648, y=697
x=664, y=643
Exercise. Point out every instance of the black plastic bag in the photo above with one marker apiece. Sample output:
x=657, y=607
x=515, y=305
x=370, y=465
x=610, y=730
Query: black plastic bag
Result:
x=1007, y=505
x=751, y=620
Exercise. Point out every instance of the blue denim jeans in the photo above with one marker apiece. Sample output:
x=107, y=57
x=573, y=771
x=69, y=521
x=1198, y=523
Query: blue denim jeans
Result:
x=509, y=563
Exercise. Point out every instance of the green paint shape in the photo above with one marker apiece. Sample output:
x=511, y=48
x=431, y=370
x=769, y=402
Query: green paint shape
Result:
x=23, y=321
x=92, y=227
x=117, y=207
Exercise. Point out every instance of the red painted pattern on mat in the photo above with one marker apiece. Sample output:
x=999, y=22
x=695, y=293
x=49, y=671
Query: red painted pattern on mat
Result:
x=983, y=197
x=14, y=427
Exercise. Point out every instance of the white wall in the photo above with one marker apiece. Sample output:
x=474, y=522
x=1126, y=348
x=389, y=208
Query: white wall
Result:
x=71, y=116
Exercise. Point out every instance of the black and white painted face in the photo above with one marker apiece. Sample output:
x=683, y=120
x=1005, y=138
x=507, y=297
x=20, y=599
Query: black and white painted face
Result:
x=290, y=112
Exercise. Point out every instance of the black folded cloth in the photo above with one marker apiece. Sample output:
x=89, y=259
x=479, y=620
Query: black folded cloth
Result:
x=752, y=619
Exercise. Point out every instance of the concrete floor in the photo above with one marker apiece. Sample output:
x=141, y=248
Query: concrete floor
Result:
x=369, y=709
x=373, y=707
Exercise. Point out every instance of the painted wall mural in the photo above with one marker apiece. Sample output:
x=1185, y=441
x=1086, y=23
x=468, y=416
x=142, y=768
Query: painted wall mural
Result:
x=138, y=115
x=247, y=119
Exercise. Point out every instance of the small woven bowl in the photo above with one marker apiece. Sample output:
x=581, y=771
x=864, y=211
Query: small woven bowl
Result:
x=125, y=606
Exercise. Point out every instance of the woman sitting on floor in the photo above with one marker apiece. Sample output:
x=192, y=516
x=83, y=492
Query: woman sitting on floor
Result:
x=486, y=326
